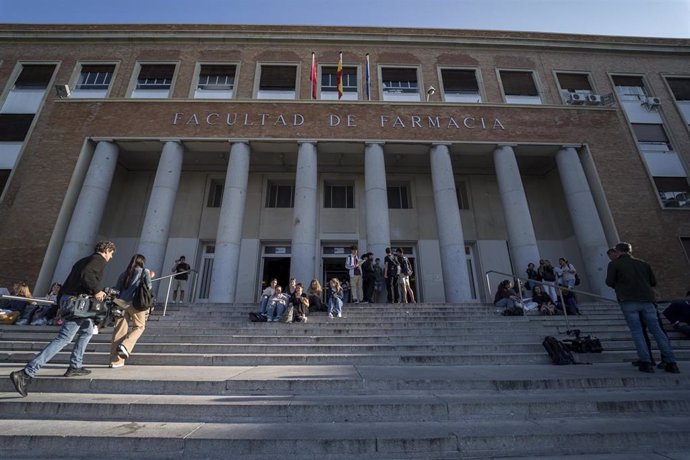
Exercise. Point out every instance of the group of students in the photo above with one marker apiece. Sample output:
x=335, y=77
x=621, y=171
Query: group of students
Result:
x=544, y=282
x=294, y=303
x=28, y=312
x=368, y=276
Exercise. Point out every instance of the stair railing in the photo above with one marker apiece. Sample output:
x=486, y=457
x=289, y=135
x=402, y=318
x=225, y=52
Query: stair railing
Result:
x=170, y=278
x=558, y=287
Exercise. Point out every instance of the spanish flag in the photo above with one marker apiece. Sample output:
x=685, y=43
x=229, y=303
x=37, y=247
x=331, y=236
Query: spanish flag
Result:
x=339, y=76
x=312, y=76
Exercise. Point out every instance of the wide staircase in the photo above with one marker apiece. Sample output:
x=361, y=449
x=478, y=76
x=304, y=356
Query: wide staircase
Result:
x=383, y=382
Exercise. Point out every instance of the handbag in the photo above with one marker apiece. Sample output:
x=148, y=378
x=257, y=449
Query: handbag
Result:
x=143, y=298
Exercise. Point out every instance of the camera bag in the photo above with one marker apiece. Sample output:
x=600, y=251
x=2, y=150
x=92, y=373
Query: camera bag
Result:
x=81, y=306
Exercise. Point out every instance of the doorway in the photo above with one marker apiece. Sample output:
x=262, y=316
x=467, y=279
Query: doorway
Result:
x=333, y=266
x=275, y=263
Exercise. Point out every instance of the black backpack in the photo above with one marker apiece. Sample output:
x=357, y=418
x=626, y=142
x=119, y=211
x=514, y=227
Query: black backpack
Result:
x=405, y=267
x=558, y=352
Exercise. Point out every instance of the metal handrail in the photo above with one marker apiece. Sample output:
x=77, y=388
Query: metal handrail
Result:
x=170, y=278
x=547, y=283
x=27, y=299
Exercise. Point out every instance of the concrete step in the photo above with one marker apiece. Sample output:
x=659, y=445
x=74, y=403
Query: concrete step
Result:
x=464, y=439
x=292, y=408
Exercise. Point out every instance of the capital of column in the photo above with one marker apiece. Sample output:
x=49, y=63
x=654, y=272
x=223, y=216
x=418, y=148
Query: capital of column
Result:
x=374, y=142
x=238, y=141
x=571, y=146
x=102, y=139
x=304, y=141
x=447, y=144
x=500, y=146
x=171, y=139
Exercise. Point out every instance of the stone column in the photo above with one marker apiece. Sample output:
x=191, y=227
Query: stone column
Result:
x=303, y=263
x=376, y=193
x=523, y=243
x=88, y=212
x=456, y=281
x=589, y=231
x=229, y=237
x=154, y=234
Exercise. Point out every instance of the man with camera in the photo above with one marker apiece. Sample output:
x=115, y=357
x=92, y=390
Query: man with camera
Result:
x=85, y=278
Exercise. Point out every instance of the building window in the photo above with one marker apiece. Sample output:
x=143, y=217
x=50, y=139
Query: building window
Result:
x=339, y=196
x=651, y=136
x=216, y=82
x=95, y=77
x=674, y=192
x=629, y=88
x=277, y=82
x=680, y=87
x=575, y=87
x=329, y=89
x=461, y=193
x=15, y=126
x=215, y=194
x=34, y=77
x=280, y=195
x=519, y=87
x=460, y=85
x=154, y=81
x=398, y=196
x=4, y=177
x=158, y=77
x=400, y=84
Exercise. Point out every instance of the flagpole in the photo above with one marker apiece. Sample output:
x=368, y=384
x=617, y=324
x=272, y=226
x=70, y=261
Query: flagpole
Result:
x=368, y=79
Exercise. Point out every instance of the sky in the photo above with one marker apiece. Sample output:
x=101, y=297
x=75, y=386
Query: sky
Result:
x=643, y=18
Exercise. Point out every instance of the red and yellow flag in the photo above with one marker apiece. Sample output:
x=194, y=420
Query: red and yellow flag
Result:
x=339, y=76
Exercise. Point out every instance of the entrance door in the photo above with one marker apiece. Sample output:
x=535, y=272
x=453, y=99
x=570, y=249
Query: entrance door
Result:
x=333, y=265
x=206, y=269
x=409, y=252
x=275, y=264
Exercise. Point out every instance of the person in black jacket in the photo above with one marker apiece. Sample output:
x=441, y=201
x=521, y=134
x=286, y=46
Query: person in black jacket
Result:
x=85, y=278
x=633, y=280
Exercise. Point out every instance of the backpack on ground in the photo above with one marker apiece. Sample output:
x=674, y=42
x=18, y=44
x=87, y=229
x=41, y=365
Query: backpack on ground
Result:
x=514, y=311
x=257, y=318
x=558, y=352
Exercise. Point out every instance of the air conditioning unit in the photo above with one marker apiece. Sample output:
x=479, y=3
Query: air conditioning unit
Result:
x=594, y=99
x=576, y=99
x=651, y=102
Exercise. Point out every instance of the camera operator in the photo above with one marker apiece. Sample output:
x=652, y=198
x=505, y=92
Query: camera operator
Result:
x=180, y=282
x=85, y=278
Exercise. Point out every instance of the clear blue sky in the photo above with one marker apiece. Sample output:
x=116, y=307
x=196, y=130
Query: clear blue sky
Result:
x=646, y=18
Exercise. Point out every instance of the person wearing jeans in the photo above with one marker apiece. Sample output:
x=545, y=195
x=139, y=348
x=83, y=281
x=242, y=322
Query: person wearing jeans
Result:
x=85, y=278
x=633, y=281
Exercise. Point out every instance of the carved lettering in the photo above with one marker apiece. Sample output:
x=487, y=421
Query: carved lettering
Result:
x=468, y=122
x=498, y=124
x=208, y=118
x=177, y=117
x=434, y=122
x=298, y=120
x=351, y=120
x=398, y=122
x=193, y=120
x=416, y=121
x=333, y=120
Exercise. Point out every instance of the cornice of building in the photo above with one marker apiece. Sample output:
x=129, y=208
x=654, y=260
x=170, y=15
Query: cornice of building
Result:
x=327, y=35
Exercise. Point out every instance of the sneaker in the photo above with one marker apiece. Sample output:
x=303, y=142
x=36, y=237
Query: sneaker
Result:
x=20, y=380
x=116, y=365
x=95, y=330
x=646, y=367
x=22, y=322
x=340, y=315
x=122, y=351
x=330, y=315
x=76, y=371
x=672, y=368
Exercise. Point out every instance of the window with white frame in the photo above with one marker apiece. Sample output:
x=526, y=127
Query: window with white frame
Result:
x=154, y=81
x=461, y=193
x=398, y=196
x=400, y=84
x=519, y=87
x=629, y=88
x=280, y=195
x=575, y=87
x=674, y=192
x=329, y=83
x=93, y=81
x=34, y=76
x=216, y=81
x=460, y=85
x=277, y=82
x=339, y=195
x=651, y=136
x=215, y=194
x=15, y=126
x=680, y=88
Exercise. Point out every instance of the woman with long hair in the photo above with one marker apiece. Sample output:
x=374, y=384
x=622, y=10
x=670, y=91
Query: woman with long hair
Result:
x=335, y=298
x=124, y=339
x=314, y=293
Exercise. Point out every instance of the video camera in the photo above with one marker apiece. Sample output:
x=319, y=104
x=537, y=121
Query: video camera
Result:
x=85, y=306
x=582, y=344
